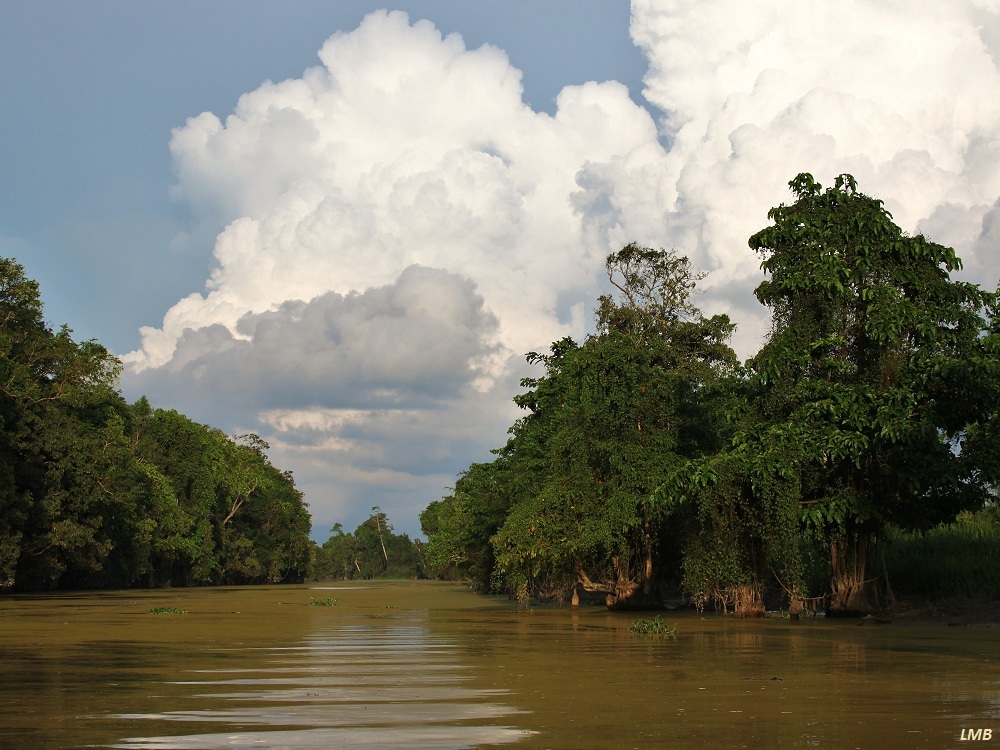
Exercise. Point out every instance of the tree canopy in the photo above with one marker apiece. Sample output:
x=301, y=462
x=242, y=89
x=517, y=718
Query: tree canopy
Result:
x=571, y=496
x=649, y=458
x=97, y=492
x=373, y=550
x=877, y=368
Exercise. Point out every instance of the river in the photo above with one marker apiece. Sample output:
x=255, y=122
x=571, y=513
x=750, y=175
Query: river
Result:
x=429, y=665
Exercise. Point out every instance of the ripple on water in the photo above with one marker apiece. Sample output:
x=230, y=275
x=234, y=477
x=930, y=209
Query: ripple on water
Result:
x=391, y=686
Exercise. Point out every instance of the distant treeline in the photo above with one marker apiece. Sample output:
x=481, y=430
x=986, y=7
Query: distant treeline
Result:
x=650, y=462
x=372, y=551
x=96, y=492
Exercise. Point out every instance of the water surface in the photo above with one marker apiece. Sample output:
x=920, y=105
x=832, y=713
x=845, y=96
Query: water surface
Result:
x=430, y=665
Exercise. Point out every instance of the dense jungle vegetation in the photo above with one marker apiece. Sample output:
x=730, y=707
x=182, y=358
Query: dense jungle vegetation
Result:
x=651, y=462
x=96, y=492
x=857, y=449
x=372, y=551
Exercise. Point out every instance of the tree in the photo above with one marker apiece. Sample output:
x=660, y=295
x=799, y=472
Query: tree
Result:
x=874, y=374
x=372, y=551
x=741, y=514
x=189, y=456
x=94, y=492
x=656, y=288
x=243, y=471
x=609, y=422
x=370, y=556
x=57, y=404
x=336, y=558
x=459, y=527
x=267, y=541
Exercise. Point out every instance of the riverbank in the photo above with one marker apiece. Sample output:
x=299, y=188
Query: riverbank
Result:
x=957, y=612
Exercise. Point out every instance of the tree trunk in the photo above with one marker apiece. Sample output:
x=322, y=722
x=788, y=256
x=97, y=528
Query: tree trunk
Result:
x=647, y=570
x=795, y=608
x=747, y=600
x=381, y=541
x=625, y=595
x=853, y=593
x=629, y=589
x=618, y=594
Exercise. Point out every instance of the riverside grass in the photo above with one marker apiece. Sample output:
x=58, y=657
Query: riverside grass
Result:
x=952, y=560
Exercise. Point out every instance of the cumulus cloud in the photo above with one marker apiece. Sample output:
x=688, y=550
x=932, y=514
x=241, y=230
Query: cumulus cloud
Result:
x=420, y=340
x=373, y=397
x=749, y=94
x=403, y=147
x=403, y=150
x=399, y=227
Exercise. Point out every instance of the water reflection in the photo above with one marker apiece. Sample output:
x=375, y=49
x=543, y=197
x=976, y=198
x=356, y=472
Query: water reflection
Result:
x=394, y=686
x=427, y=665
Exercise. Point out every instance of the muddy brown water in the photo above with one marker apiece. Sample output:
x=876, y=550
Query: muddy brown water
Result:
x=427, y=665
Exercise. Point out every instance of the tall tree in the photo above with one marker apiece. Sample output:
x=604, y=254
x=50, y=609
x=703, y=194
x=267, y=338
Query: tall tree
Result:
x=335, y=559
x=57, y=399
x=874, y=373
x=609, y=421
x=459, y=527
x=372, y=551
x=94, y=492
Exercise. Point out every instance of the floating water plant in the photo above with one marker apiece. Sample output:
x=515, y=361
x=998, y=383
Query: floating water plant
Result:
x=328, y=602
x=655, y=626
x=166, y=611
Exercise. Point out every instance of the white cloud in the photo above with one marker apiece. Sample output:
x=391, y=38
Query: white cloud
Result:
x=400, y=228
x=403, y=148
x=421, y=340
x=753, y=93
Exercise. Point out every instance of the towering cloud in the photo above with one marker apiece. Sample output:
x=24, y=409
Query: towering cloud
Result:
x=752, y=93
x=402, y=148
x=397, y=228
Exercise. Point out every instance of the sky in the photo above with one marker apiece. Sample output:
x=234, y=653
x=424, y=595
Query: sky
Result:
x=343, y=225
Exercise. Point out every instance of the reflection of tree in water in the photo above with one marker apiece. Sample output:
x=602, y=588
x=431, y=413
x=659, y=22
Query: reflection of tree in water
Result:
x=850, y=656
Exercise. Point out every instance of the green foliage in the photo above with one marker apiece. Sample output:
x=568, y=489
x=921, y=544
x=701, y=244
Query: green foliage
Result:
x=220, y=512
x=459, y=527
x=655, y=287
x=326, y=602
x=873, y=405
x=335, y=559
x=575, y=495
x=95, y=492
x=372, y=551
x=747, y=528
x=957, y=559
x=877, y=369
x=655, y=626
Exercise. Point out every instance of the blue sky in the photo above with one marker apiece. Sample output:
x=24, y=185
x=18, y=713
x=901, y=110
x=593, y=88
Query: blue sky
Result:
x=342, y=226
